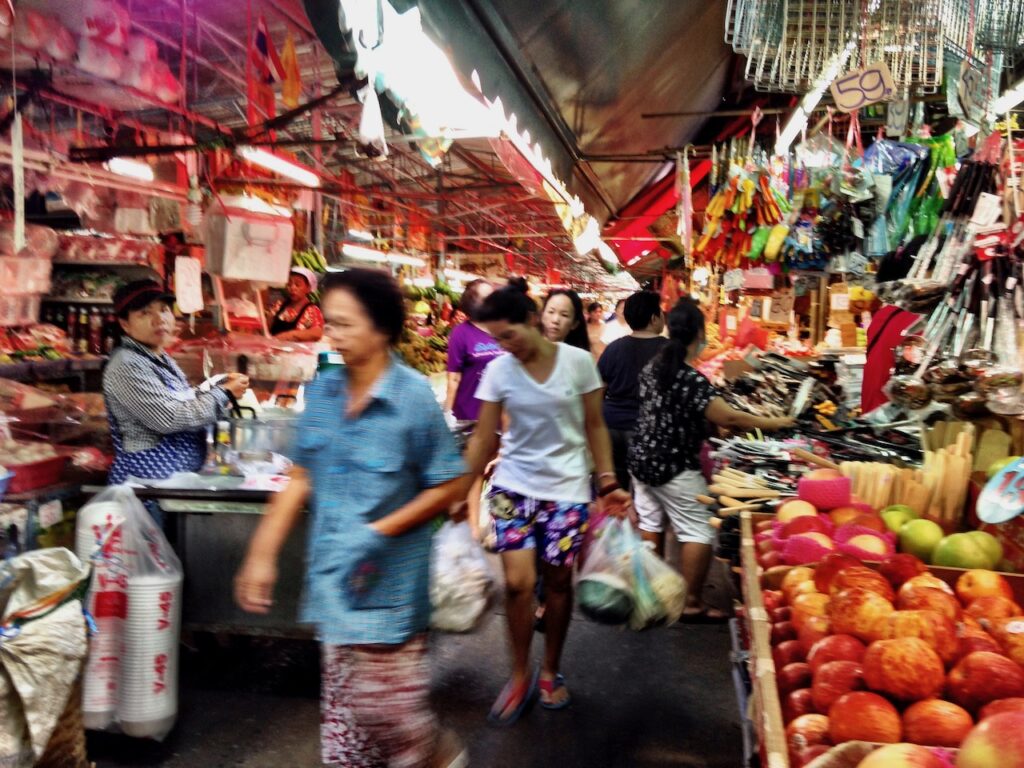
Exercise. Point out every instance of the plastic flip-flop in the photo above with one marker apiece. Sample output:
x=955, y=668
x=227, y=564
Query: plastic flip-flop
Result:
x=501, y=704
x=549, y=687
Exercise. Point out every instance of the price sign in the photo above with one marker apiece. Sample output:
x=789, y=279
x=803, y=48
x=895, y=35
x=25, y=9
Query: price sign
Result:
x=840, y=302
x=973, y=92
x=864, y=86
x=897, y=114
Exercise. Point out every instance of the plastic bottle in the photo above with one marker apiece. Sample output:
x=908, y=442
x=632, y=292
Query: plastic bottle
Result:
x=96, y=332
x=82, y=335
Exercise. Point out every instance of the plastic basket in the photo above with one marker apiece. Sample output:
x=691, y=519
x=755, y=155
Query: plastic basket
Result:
x=38, y=474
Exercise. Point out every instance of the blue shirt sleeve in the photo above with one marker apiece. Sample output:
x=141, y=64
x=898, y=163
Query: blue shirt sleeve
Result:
x=437, y=456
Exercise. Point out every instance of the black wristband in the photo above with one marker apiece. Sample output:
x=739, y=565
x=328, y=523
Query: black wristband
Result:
x=608, y=489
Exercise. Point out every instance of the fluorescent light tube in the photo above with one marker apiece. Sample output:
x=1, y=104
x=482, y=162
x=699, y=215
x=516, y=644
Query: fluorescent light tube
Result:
x=278, y=165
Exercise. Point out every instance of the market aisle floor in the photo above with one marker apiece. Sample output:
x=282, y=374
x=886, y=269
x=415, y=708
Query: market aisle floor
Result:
x=662, y=698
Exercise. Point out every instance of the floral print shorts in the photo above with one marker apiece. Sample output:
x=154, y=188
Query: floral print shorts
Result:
x=555, y=528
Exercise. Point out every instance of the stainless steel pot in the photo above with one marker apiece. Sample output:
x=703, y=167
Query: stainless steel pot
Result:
x=271, y=433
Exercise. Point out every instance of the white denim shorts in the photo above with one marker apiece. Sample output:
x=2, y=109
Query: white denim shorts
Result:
x=677, y=501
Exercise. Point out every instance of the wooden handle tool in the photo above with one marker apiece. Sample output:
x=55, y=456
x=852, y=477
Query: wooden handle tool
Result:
x=811, y=458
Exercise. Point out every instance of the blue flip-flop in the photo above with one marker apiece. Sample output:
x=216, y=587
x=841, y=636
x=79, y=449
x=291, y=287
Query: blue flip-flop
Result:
x=495, y=715
x=557, y=682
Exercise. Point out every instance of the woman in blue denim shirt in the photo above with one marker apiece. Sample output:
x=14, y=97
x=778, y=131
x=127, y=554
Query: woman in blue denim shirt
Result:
x=375, y=456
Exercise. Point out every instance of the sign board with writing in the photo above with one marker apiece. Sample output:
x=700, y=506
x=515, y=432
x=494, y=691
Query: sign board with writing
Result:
x=897, y=114
x=862, y=87
x=973, y=90
x=1002, y=498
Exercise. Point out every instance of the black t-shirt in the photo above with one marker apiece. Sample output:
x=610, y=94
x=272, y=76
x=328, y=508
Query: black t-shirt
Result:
x=620, y=366
x=672, y=426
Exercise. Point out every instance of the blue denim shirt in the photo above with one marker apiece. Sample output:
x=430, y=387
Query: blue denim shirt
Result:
x=362, y=469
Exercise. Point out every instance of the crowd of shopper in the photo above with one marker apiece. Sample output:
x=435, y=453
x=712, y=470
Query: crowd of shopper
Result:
x=575, y=418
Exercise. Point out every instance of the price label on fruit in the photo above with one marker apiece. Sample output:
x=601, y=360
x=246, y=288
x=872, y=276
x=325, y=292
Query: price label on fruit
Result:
x=862, y=87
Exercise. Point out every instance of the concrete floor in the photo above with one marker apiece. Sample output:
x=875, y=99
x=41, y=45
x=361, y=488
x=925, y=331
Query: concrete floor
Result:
x=659, y=698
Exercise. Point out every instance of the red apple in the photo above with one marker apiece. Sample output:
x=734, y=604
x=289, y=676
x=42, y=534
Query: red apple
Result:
x=806, y=731
x=982, y=583
x=835, y=648
x=870, y=521
x=787, y=652
x=971, y=639
x=814, y=629
x=791, y=510
x=995, y=742
x=934, y=628
x=928, y=580
x=805, y=524
x=763, y=525
x=936, y=723
x=843, y=515
x=765, y=545
x=902, y=756
x=784, y=630
x=900, y=568
x=864, y=716
x=1013, y=704
x=993, y=607
x=905, y=668
x=981, y=677
x=835, y=679
x=792, y=677
x=972, y=622
x=770, y=560
x=808, y=605
x=809, y=755
x=772, y=599
x=796, y=582
x=780, y=614
x=823, y=474
x=797, y=703
x=1009, y=633
x=912, y=597
x=862, y=578
x=859, y=612
x=829, y=566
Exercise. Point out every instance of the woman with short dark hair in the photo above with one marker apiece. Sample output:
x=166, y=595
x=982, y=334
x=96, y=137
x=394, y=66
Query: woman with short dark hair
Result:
x=550, y=394
x=373, y=453
x=562, y=319
x=470, y=349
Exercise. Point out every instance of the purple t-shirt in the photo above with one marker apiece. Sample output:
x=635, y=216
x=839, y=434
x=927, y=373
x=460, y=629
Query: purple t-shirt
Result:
x=469, y=352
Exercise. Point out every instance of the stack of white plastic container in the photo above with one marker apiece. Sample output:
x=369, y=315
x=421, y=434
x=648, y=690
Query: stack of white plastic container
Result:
x=132, y=674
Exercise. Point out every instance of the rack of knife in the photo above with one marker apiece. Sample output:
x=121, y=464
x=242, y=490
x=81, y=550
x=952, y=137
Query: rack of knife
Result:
x=963, y=351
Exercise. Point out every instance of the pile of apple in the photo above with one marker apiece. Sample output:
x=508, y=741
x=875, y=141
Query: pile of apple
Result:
x=894, y=655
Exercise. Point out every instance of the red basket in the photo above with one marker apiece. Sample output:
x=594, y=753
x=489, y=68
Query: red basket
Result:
x=38, y=474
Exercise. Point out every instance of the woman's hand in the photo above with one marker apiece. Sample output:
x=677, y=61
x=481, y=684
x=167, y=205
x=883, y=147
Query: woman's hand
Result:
x=236, y=384
x=617, y=503
x=254, y=585
x=782, y=422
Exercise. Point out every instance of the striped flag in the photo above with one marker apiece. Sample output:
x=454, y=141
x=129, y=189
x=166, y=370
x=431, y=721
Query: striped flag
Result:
x=264, y=57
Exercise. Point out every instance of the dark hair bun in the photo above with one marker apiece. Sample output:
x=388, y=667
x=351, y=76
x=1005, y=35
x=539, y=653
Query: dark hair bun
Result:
x=519, y=284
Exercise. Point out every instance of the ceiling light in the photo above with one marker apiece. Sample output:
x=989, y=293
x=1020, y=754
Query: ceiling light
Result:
x=361, y=234
x=1008, y=99
x=278, y=165
x=133, y=169
x=359, y=253
x=458, y=274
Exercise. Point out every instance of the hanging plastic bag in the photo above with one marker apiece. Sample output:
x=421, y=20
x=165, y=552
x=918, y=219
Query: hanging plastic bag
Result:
x=604, y=589
x=461, y=580
x=659, y=591
x=131, y=680
x=42, y=645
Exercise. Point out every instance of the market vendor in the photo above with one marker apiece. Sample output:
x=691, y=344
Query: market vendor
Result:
x=297, y=318
x=157, y=419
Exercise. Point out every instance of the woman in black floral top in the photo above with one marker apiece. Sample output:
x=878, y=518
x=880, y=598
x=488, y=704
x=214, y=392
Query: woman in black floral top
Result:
x=676, y=405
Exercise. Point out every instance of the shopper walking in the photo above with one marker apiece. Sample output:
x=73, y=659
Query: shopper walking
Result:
x=620, y=368
x=676, y=404
x=551, y=396
x=562, y=319
x=595, y=327
x=157, y=419
x=374, y=454
x=616, y=327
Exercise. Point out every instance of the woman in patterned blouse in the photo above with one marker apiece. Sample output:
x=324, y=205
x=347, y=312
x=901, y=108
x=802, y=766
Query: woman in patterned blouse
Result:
x=297, y=318
x=676, y=404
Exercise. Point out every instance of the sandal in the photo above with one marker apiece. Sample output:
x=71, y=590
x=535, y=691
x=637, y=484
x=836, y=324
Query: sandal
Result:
x=704, y=615
x=528, y=691
x=548, y=688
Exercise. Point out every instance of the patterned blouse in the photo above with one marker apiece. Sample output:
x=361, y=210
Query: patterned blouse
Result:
x=671, y=427
x=311, y=316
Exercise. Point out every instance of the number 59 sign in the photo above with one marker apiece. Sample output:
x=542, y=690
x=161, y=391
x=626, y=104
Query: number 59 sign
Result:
x=864, y=86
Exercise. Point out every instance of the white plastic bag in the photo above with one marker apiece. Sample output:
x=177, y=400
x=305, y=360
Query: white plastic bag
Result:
x=461, y=581
x=131, y=680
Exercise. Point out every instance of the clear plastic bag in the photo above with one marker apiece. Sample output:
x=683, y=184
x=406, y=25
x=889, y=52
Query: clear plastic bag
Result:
x=659, y=591
x=461, y=580
x=131, y=678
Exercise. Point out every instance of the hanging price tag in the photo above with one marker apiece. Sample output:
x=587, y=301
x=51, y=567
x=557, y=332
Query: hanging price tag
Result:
x=973, y=92
x=188, y=284
x=864, y=86
x=896, y=115
x=840, y=302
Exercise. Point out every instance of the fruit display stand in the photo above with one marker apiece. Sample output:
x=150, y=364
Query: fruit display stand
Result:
x=766, y=706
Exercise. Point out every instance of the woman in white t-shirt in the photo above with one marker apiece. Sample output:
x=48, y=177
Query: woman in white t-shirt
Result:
x=550, y=395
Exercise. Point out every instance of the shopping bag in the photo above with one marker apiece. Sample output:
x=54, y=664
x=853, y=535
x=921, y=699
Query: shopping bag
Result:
x=461, y=580
x=42, y=645
x=659, y=591
x=131, y=678
x=604, y=587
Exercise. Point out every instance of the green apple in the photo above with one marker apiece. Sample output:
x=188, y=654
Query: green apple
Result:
x=990, y=544
x=896, y=515
x=959, y=550
x=998, y=466
x=920, y=537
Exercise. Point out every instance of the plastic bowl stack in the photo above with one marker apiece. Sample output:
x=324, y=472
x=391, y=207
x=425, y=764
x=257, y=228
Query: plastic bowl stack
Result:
x=148, y=700
x=99, y=524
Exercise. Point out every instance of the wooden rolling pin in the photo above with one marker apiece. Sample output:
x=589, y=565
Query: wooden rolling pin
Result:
x=811, y=458
x=745, y=493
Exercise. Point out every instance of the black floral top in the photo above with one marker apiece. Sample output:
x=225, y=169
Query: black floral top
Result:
x=671, y=427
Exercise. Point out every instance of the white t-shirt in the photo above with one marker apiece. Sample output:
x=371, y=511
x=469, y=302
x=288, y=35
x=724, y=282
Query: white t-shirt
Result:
x=613, y=331
x=544, y=452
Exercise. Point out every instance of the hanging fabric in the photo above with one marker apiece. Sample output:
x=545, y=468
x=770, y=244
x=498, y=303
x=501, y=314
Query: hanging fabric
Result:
x=684, y=192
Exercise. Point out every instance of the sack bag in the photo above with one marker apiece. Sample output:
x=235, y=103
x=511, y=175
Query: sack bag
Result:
x=131, y=678
x=461, y=580
x=43, y=641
